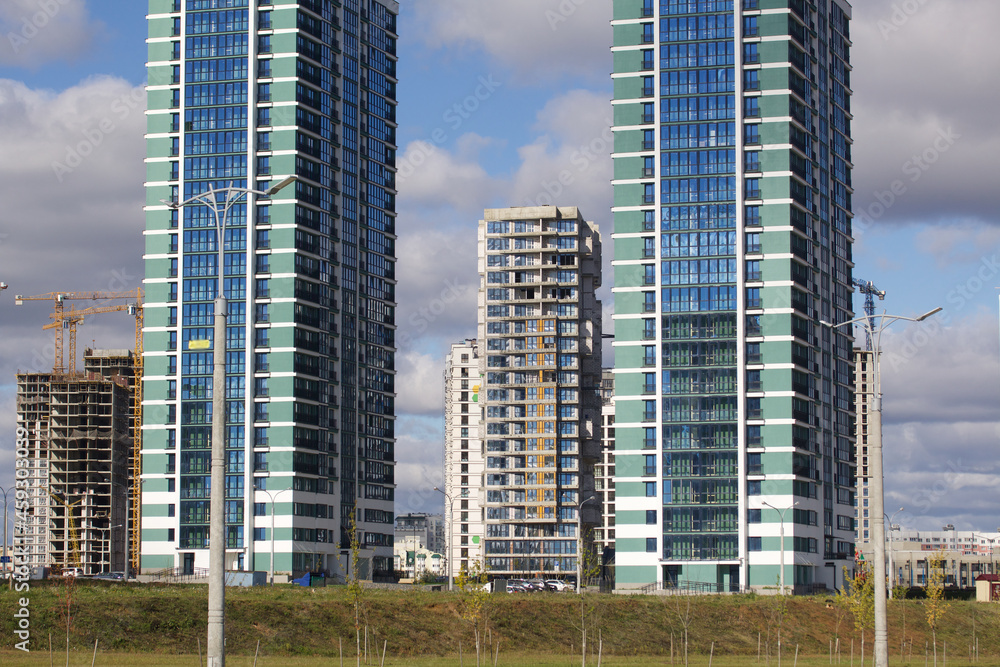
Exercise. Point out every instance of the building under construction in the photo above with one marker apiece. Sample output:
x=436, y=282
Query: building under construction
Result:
x=79, y=433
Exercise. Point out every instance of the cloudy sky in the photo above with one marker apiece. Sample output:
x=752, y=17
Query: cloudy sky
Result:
x=496, y=100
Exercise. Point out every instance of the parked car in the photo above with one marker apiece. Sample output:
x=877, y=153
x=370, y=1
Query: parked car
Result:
x=113, y=576
x=557, y=585
x=72, y=572
x=515, y=587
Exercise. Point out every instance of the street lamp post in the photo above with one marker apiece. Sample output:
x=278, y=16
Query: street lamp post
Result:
x=109, y=539
x=874, y=332
x=579, y=541
x=892, y=565
x=272, y=498
x=451, y=529
x=781, y=513
x=10, y=577
x=216, y=649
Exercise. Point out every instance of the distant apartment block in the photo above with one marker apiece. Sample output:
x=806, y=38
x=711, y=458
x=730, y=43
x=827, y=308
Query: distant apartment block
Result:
x=967, y=554
x=464, y=458
x=540, y=357
x=427, y=529
x=604, y=470
x=864, y=390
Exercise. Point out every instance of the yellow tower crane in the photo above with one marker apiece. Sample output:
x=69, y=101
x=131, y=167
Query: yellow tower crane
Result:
x=59, y=299
x=72, y=534
x=64, y=320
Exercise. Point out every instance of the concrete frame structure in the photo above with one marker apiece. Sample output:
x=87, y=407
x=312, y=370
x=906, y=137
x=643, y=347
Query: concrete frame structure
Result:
x=78, y=429
x=864, y=388
x=464, y=458
x=732, y=228
x=540, y=357
x=242, y=94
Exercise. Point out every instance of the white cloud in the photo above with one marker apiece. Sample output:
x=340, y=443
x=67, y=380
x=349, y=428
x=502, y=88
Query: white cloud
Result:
x=924, y=115
x=38, y=31
x=940, y=422
x=419, y=384
x=538, y=39
x=79, y=229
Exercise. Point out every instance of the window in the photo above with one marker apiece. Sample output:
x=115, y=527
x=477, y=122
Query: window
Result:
x=752, y=190
x=750, y=54
x=649, y=247
x=647, y=86
x=751, y=80
x=751, y=134
x=753, y=242
x=649, y=302
x=647, y=33
x=651, y=545
x=650, y=517
x=647, y=59
x=648, y=139
x=650, y=489
x=750, y=26
x=648, y=193
x=649, y=328
x=754, y=544
x=753, y=516
x=753, y=487
x=751, y=161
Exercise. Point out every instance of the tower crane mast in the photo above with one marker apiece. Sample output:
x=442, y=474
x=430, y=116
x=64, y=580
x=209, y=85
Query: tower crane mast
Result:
x=868, y=288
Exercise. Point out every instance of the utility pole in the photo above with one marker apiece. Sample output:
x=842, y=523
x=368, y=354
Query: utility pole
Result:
x=874, y=331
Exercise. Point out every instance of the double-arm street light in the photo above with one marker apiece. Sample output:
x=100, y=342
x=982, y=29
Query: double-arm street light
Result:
x=579, y=541
x=450, y=524
x=781, y=513
x=7, y=565
x=220, y=201
x=892, y=564
x=272, y=496
x=874, y=325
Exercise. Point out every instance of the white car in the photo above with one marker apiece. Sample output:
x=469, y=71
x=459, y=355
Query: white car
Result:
x=556, y=585
x=72, y=572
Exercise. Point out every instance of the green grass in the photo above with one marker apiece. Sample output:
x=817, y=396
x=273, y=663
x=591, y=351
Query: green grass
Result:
x=162, y=625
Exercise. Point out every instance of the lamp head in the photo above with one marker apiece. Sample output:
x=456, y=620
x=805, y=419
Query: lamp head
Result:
x=929, y=313
x=274, y=189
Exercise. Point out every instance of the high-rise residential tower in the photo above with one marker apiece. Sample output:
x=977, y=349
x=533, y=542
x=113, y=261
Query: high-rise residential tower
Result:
x=540, y=357
x=243, y=94
x=732, y=225
x=464, y=458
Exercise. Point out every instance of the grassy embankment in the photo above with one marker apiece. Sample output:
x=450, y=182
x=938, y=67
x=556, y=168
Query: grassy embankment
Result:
x=157, y=622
